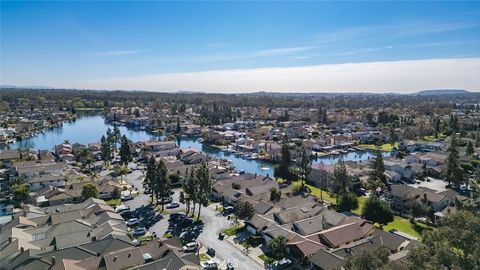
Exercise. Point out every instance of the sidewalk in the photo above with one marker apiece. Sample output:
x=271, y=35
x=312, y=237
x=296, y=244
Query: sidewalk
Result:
x=253, y=252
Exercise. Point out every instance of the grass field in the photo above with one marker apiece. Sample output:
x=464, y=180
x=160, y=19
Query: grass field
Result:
x=404, y=225
x=315, y=191
x=113, y=202
x=384, y=147
x=233, y=230
x=266, y=258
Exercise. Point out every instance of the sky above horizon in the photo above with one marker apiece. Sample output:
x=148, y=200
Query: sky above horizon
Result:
x=232, y=47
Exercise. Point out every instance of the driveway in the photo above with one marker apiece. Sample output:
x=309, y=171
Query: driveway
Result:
x=212, y=225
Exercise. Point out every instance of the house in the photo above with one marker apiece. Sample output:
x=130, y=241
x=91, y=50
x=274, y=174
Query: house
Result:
x=40, y=181
x=38, y=168
x=402, y=197
x=319, y=174
x=156, y=146
x=324, y=260
x=7, y=156
x=343, y=234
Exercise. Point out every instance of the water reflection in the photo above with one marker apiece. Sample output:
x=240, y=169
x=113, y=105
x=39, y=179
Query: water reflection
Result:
x=89, y=128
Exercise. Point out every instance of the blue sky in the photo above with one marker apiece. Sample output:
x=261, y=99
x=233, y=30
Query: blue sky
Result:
x=169, y=46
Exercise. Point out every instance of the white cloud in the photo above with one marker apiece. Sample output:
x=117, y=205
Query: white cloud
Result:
x=394, y=76
x=393, y=30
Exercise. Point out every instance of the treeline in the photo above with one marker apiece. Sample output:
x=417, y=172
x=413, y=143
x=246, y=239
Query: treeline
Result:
x=19, y=98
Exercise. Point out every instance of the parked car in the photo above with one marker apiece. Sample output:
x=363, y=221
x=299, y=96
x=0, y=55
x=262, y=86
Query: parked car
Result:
x=209, y=265
x=139, y=231
x=121, y=208
x=221, y=235
x=132, y=222
x=228, y=210
x=283, y=263
x=211, y=252
x=126, y=214
x=172, y=205
x=190, y=247
x=165, y=200
x=230, y=266
x=125, y=198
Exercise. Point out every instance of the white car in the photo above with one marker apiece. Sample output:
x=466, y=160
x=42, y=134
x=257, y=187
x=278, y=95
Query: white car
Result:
x=190, y=247
x=209, y=265
x=283, y=263
x=173, y=205
x=132, y=222
x=122, y=208
x=139, y=231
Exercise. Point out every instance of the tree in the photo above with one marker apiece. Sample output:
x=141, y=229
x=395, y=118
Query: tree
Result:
x=105, y=150
x=377, y=177
x=283, y=170
x=305, y=165
x=245, y=210
x=116, y=193
x=20, y=192
x=278, y=247
x=275, y=194
x=340, y=180
x=371, y=259
x=436, y=127
x=347, y=202
x=85, y=157
x=116, y=136
x=377, y=211
x=89, y=191
x=189, y=188
x=472, y=203
x=120, y=170
x=179, y=129
x=469, y=150
x=453, y=124
x=126, y=154
x=477, y=138
x=150, y=177
x=453, y=172
x=454, y=245
x=204, y=187
x=162, y=186
x=417, y=209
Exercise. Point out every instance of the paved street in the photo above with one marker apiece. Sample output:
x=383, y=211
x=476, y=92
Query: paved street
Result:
x=213, y=224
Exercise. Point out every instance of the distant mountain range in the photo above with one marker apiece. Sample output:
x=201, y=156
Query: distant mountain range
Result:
x=433, y=92
x=443, y=92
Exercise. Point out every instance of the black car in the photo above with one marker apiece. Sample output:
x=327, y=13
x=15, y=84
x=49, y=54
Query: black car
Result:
x=211, y=252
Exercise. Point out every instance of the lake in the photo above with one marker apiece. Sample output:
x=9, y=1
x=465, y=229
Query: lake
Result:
x=89, y=128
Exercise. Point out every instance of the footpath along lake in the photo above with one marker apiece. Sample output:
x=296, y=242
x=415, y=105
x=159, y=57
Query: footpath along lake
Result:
x=88, y=128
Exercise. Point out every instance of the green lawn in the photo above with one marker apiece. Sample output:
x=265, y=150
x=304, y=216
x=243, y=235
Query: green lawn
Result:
x=403, y=225
x=266, y=258
x=315, y=191
x=233, y=230
x=384, y=147
x=361, y=204
x=113, y=202
x=203, y=257
x=432, y=138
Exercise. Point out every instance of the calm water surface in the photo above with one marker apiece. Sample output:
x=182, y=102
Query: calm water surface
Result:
x=89, y=128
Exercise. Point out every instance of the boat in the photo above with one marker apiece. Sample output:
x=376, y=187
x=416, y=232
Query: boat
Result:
x=265, y=169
